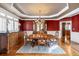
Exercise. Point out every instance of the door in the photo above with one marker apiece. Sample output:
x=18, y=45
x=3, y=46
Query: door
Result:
x=63, y=33
x=66, y=30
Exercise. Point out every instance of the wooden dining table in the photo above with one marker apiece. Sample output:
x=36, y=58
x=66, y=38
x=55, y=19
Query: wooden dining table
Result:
x=41, y=35
x=40, y=38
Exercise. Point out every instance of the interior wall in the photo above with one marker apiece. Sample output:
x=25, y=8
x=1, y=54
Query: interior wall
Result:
x=75, y=27
x=52, y=25
x=75, y=23
x=27, y=25
x=75, y=37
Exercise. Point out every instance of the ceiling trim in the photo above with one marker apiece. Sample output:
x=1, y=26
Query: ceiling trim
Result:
x=72, y=13
x=41, y=19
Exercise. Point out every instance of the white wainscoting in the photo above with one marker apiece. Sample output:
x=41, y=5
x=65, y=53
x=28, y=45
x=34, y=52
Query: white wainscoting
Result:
x=75, y=36
x=29, y=32
x=48, y=32
x=52, y=32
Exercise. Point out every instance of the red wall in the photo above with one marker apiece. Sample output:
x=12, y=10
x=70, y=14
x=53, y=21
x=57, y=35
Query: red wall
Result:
x=75, y=22
x=66, y=19
x=26, y=25
x=52, y=25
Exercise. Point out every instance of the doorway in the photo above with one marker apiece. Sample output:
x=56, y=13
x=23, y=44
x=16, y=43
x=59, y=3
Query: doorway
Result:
x=63, y=33
x=66, y=32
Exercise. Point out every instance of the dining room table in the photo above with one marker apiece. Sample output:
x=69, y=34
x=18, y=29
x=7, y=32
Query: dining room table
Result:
x=40, y=36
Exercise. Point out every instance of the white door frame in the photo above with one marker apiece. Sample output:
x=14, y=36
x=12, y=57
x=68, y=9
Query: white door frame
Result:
x=60, y=32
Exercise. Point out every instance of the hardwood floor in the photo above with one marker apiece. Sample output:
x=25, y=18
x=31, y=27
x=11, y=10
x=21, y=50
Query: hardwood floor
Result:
x=75, y=47
x=70, y=51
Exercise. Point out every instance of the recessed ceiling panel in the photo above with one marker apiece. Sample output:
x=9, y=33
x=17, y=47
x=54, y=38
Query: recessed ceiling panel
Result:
x=36, y=9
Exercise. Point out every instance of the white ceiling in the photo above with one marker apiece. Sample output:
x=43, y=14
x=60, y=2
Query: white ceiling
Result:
x=45, y=10
x=34, y=9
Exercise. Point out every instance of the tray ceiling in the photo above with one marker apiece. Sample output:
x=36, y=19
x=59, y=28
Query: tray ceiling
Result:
x=32, y=9
x=44, y=10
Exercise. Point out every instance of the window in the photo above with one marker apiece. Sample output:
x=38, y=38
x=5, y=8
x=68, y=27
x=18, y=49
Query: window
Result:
x=15, y=19
x=10, y=26
x=2, y=14
x=16, y=26
x=68, y=26
x=9, y=17
x=3, y=26
x=8, y=23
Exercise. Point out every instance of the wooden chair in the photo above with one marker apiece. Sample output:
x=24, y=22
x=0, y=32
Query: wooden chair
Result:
x=34, y=42
x=42, y=42
x=56, y=37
